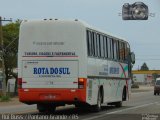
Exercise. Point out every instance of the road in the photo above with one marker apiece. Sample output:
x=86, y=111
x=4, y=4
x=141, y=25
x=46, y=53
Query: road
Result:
x=140, y=106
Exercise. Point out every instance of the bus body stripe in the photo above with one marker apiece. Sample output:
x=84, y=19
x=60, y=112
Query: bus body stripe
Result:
x=125, y=77
x=52, y=95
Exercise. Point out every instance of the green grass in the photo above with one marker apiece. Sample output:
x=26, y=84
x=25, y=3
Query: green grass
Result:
x=5, y=98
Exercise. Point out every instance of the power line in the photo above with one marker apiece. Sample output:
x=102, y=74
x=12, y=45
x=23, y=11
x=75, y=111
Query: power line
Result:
x=158, y=60
x=149, y=54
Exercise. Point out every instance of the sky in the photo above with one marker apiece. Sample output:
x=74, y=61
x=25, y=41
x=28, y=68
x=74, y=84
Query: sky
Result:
x=143, y=36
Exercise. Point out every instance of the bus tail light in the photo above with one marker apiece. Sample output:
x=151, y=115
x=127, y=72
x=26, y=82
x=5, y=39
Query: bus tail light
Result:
x=81, y=83
x=19, y=83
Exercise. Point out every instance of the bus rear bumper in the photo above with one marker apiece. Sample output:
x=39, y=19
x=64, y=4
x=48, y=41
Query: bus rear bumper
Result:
x=32, y=96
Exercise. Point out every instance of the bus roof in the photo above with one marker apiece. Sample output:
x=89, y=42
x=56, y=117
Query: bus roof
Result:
x=79, y=22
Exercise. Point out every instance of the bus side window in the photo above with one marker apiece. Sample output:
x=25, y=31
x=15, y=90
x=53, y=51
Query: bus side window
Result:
x=105, y=47
x=123, y=44
x=126, y=51
x=89, y=43
x=118, y=51
x=115, y=49
x=92, y=44
x=122, y=51
x=102, y=46
x=109, y=48
x=98, y=45
x=95, y=44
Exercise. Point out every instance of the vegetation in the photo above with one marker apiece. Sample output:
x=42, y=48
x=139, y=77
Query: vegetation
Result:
x=144, y=67
x=10, y=48
x=5, y=98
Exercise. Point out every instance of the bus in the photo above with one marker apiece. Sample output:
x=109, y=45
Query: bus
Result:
x=70, y=62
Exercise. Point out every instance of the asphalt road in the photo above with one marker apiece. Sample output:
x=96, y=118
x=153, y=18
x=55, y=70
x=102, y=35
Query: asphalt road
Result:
x=141, y=106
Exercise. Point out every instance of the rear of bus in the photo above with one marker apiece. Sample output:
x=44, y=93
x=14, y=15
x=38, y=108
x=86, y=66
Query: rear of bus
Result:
x=51, y=63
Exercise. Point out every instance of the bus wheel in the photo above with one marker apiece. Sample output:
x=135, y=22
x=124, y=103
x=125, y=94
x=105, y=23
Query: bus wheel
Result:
x=118, y=104
x=124, y=94
x=41, y=108
x=46, y=108
x=51, y=109
x=97, y=108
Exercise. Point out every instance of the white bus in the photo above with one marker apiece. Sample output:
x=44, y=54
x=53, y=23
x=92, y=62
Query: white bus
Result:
x=69, y=62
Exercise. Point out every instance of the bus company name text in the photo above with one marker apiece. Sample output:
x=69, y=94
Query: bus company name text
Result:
x=49, y=54
x=114, y=70
x=51, y=71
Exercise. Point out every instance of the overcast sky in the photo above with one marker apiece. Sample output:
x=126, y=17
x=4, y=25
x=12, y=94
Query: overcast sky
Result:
x=143, y=36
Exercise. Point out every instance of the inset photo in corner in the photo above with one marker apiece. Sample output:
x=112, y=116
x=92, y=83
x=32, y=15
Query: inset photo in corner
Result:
x=135, y=11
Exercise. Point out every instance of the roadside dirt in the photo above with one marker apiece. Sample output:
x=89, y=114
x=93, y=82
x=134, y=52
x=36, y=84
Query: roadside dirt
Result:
x=13, y=101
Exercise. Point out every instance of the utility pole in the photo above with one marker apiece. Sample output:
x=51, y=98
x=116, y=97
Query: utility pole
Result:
x=2, y=57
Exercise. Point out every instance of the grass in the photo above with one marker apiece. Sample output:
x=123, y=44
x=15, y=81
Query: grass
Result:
x=5, y=98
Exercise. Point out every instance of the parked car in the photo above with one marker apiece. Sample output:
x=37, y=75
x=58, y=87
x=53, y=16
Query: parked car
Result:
x=157, y=87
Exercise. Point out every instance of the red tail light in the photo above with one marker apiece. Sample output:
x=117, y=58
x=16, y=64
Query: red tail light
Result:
x=81, y=82
x=19, y=83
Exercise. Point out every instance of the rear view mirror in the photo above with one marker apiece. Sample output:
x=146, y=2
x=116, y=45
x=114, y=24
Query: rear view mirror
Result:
x=132, y=57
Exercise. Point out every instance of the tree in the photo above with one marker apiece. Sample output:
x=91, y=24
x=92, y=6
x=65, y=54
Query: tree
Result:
x=10, y=48
x=144, y=67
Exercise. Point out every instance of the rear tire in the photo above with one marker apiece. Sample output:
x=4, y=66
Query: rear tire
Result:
x=41, y=110
x=124, y=94
x=124, y=98
x=97, y=108
x=46, y=108
x=118, y=104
